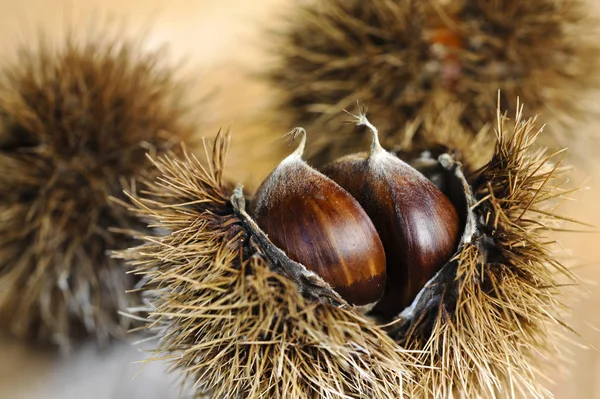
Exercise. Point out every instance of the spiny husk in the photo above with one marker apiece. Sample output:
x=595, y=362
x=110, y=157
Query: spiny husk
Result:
x=408, y=60
x=76, y=121
x=493, y=322
x=228, y=322
x=480, y=328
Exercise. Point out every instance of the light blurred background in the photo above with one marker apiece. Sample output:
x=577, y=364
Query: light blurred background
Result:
x=220, y=41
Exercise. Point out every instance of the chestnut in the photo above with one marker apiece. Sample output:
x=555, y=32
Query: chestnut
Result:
x=321, y=226
x=417, y=223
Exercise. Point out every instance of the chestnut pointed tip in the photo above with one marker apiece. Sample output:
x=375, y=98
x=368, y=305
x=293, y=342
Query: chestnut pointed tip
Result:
x=292, y=135
x=361, y=120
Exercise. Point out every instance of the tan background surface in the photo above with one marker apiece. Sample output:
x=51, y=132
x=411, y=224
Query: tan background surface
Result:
x=219, y=40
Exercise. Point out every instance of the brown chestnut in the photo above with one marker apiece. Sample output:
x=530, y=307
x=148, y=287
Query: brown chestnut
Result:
x=320, y=225
x=417, y=223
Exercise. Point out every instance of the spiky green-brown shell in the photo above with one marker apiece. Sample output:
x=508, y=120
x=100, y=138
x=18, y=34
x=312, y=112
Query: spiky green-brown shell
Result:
x=409, y=60
x=233, y=321
x=76, y=121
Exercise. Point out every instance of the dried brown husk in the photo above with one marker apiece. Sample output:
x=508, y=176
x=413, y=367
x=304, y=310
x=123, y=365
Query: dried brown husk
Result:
x=232, y=321
x=484, y=323
x=76, y=120
x=409, y=60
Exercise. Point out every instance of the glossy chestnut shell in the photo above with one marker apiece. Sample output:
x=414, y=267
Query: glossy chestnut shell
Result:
x=417, y=223
x=321, y=226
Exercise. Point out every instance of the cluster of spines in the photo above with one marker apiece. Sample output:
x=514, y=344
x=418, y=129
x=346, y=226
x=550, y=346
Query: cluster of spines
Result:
x=397, y=57
x=499, y=314
x=76, y=121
